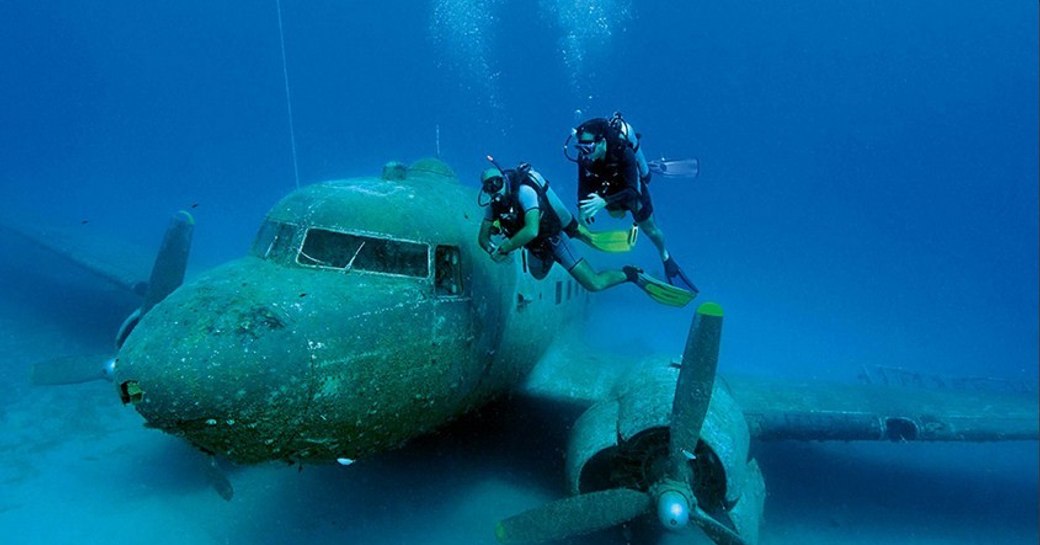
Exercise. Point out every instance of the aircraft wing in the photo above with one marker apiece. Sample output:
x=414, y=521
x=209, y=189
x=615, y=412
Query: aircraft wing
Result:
x=778, y=409
x=115, y=263
x=112, y=261
x=574, y=373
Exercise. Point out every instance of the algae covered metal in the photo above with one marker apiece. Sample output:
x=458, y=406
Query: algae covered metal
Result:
x=365, y=315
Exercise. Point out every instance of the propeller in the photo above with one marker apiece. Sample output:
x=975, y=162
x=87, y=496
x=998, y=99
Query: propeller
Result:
x=672, y=494
x=575, y=515
x=171, y=262
x=167, y=275
x=168, y=271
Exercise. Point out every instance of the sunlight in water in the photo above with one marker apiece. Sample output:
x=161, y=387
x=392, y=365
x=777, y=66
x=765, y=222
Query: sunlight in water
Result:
x=587, y=30
x=461, y=30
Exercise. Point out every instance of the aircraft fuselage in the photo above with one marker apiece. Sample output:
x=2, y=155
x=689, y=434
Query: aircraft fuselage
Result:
x=365, y=315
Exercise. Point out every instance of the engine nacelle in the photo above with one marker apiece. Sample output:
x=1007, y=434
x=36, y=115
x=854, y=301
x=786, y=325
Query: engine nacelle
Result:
x=623, y=441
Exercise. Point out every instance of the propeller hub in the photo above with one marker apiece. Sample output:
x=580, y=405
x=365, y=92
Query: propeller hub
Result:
x=673, y=509
x=109, y=370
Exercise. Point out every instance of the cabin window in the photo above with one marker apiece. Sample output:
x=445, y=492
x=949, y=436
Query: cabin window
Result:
x=324, y=248
x=447, y=270
x=273, y=240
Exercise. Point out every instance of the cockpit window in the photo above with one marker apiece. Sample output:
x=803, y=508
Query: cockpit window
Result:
x=273, y=240
x=324, y=248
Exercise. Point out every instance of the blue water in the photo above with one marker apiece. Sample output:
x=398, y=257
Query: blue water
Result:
x=868, y=190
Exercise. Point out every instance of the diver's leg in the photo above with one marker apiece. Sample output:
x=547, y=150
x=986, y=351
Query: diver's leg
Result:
x=596, y=281
x=643, y=214
x=673, y=273
x=568, y=258
x=574, y=232
x=656, y=235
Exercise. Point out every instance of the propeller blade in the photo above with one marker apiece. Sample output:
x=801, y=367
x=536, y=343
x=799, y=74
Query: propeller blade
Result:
x=171, y=261
x=167, y=274
x=218, y=480
x=696, y=380
x=718, y=532
x=574, y=516
x=71, y=370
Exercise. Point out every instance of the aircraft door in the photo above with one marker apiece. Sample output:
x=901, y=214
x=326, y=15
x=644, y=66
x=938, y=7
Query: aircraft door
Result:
x=453, y=333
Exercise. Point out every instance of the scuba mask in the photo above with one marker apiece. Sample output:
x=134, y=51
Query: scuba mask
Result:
x=492, y=181
x=577, y=151
x=587, y=152
x=492, y=189
x=496, y=182
x=582, y=146
x=615, y=131
x=585, y=148
x=493, y=184
x=492, y=194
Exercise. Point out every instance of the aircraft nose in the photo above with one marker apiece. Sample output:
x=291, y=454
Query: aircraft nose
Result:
x=260, y=362
x=217, y=363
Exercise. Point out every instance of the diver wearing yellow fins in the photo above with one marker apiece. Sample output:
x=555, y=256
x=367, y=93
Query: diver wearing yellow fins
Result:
x=610, y=241
x=527, y=212
x=613, y=174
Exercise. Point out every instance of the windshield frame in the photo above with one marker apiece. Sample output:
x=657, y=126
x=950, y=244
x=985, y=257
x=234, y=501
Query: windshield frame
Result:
x=311, y=262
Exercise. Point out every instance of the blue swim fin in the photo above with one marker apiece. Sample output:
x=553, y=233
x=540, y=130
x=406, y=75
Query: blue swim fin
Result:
x=675, y=168
x=672, y=272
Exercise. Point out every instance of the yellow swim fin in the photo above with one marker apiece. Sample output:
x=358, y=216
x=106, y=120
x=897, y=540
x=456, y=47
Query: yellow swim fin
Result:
x=665, y=293
x=610, y=241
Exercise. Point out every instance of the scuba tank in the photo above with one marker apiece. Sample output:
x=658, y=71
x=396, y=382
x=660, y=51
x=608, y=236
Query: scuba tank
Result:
x=630, y=137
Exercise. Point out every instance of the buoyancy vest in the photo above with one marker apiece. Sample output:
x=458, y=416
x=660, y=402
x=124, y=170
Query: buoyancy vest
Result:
x=509, y=213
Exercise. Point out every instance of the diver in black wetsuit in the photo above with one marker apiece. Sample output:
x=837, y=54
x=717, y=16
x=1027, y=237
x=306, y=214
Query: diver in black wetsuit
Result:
x=613, y=174
x=523, y=208
x=527, y=212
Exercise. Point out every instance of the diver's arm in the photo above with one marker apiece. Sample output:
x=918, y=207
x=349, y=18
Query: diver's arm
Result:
x=594, y=202
x=621, y=196
x=528, y=233
x=484, y=236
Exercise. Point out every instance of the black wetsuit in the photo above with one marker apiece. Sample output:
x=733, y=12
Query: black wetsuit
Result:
x=615, y=177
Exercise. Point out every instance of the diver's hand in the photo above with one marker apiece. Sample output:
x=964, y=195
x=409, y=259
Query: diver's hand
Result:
x=591, y=206
x=496, y=253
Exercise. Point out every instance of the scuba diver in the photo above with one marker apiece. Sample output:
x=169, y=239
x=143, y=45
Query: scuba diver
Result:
x=614, y=174
x=527, y=212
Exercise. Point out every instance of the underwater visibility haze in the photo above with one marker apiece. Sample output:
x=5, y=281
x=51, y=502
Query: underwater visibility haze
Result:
x=867, y=195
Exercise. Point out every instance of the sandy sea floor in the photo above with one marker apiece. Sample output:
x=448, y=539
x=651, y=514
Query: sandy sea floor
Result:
x=77, y=467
